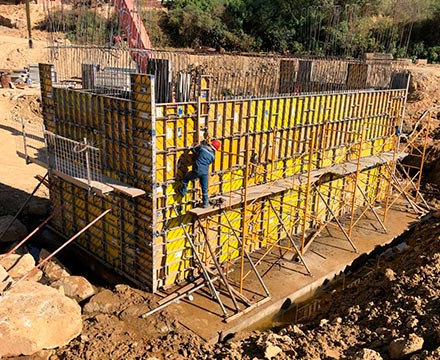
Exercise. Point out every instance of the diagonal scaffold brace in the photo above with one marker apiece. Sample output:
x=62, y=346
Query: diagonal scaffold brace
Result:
x=41, y=181
x=202, y=266
x=46, y=259
x=38, y=228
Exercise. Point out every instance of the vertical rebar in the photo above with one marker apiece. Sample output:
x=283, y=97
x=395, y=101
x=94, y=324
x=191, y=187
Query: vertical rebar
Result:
x=86, y=152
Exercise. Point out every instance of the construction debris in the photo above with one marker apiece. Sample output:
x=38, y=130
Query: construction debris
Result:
x=20, y=78
x=20, y=265
x=401, y=347
x=76, y=287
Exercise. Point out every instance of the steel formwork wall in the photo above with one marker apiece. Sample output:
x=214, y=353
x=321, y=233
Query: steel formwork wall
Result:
x=147, y=146
x=280, y=132
x=124, y=131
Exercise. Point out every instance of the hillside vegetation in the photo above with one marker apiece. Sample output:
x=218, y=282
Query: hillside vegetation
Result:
x=346, y=28
x=318, y=27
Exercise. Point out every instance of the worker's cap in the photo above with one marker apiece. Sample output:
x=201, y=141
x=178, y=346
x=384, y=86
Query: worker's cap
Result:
x=216, y=144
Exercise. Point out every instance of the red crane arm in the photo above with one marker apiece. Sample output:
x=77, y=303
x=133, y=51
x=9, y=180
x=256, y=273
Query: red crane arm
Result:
x=137, y=35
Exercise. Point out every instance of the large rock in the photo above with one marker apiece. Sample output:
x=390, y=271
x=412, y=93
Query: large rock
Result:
x=16, y=232
x=19, y=265
x=105, y=302
x=401, y=347
x=35, y=317
x=52, y=269
x=5, y=279
x=271, y=351
x=367, y=354
x=75, y=287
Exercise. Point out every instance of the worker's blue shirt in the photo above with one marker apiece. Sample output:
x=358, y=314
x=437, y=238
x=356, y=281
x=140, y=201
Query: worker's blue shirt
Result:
x=204, y=157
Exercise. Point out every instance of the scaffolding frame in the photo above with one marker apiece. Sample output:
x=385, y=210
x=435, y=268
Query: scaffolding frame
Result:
x=350, y=203
x=296, y=182
x=405, y=178
x=358, y=204
x=208, y=273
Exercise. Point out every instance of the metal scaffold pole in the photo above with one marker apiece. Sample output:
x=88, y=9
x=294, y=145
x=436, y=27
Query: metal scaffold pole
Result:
x=244, y=230
x=356, y=178
x=307, y=193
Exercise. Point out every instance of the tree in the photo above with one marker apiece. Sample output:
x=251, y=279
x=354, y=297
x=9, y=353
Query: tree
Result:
x=332, y=27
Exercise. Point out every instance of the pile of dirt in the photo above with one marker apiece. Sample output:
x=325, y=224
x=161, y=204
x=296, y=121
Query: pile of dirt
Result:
x=114, y=329
x=423, y=89
x=22, y=104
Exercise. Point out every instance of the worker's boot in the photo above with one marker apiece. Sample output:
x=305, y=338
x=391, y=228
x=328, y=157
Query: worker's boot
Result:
x=205, y=201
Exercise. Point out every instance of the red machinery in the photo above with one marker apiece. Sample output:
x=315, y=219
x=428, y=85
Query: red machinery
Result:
x=137, y=36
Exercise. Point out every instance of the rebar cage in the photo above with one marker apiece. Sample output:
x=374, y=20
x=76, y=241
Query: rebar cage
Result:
x=178, y=73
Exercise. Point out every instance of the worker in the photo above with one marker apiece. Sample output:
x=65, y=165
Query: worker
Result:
x=117, y=41
x=204, y=156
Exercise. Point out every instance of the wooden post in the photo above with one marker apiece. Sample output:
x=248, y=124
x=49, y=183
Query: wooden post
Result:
x=29, y=26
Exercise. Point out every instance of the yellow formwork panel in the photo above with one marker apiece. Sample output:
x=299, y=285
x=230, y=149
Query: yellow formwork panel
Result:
x=175, y=133
x=289, y=165
x=176, y=245
x=378, y=146
x=96, y=245
x=231, y=181
x=112, y=239
x=290, y=208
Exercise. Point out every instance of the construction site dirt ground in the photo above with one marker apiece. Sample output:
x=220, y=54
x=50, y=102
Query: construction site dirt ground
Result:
x=397, y=300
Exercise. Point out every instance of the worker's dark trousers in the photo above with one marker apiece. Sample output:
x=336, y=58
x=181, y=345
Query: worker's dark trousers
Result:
x=203, y=177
